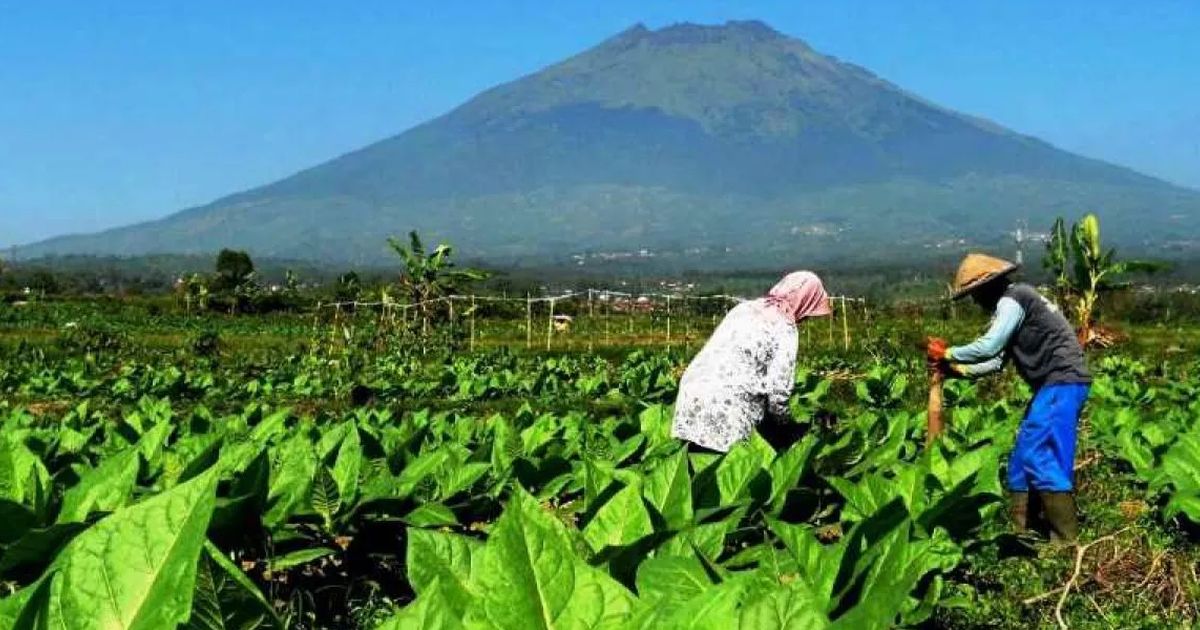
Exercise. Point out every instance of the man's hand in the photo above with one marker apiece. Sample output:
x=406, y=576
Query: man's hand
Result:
x=935, y=349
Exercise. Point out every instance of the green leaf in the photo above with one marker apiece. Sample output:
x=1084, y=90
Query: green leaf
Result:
x=136, y=568
x=459, y=478
x=326, y=498
x=713, y=609
x=416, y=471
x=791, y=606
x=431, y=611
x=298, y=558
x=102, y=489
x=529, y=576
x=431, y=515
x=25, y=609
x=788, y=468
x=21, y=472
x=151, y=444
x=815, y=564
x=240, y=598
x=621, y=521
x=444, y=558
x=668, y=580
x=655, y=422
x=741, y=466
x=890, y=571
x=226, y=599
x=294, y=465
x=348, y=466
x=668, y=488
x=707, y=539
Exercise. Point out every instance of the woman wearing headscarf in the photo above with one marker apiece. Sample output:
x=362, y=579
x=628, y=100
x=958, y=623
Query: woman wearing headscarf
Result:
x=746, y=370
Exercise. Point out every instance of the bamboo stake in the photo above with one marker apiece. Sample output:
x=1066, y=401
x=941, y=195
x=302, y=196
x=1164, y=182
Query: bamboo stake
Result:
x=528, y=322
x=550, y=325
x=472, y=323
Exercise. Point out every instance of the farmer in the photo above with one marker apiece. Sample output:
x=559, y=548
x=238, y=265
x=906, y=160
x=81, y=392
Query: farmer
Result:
x=746, y=370
x=1030, y=331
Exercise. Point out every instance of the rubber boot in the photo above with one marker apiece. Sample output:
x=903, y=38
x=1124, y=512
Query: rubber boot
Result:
x=1018, y=510
x=1060, y=512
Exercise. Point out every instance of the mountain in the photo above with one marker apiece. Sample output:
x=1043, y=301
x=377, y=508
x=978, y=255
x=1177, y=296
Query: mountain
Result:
x=729, y=144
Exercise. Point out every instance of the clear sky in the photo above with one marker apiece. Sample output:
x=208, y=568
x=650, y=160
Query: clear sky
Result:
x=114, y=112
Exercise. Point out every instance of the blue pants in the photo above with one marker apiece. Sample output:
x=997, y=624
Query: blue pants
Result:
x=1044, y=455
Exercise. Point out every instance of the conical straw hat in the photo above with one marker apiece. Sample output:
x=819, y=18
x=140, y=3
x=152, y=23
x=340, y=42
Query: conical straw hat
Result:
x=977, y=270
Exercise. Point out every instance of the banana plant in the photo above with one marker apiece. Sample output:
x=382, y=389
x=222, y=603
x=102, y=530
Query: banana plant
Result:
x=1083, y=270
x=430, y=275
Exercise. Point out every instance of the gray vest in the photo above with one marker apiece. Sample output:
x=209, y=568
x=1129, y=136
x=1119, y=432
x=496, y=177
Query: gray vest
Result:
x=1045, y=349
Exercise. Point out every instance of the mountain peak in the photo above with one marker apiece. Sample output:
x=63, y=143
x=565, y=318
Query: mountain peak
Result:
x=691, y=33
x=684, y=33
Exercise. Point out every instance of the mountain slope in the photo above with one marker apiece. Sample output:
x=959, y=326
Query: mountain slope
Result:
x=730, y=138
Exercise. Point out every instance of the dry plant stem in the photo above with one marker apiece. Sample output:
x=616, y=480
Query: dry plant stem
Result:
x=934, y=408
x=1080, y=550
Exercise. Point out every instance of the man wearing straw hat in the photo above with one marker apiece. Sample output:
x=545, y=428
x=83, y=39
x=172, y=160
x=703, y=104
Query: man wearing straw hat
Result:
x=1030, y=331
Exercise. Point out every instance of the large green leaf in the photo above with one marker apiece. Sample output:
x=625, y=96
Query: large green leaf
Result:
x=293, y=467
x=708, y=539
x=431, y=611
x=671, y=580
x=136, y=568
x=794, y=605
x=530, y=577
x=102, y=489
x=655, y=423
x=226, y=599
x=668, y=488
x=890, y=570
x=788, y=468
x=348, y=466
x=743, y=466
x=715, y=608
x=621, y=521
x=813, y=563
x=23, y=477
x=446, y=559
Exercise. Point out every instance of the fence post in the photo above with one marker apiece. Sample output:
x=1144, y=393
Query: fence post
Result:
x=668, y=321
x=472, y=324
x=832, y=317
x=591, y=323
x=550, y=325
x=528, y=322
x=845, y=326
x=687, y=326
x=607, y=312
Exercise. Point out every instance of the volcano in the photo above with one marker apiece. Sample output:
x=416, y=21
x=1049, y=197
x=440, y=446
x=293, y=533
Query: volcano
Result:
x=729, y=144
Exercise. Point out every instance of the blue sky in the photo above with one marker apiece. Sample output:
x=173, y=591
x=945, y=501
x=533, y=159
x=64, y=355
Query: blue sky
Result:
x=114, y=112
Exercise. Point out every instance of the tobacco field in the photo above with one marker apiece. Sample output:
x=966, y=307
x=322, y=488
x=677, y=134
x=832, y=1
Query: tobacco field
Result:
x=358, y=481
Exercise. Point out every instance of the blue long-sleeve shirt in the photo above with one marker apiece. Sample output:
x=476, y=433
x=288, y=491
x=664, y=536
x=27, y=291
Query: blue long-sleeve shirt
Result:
x=985, y=355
